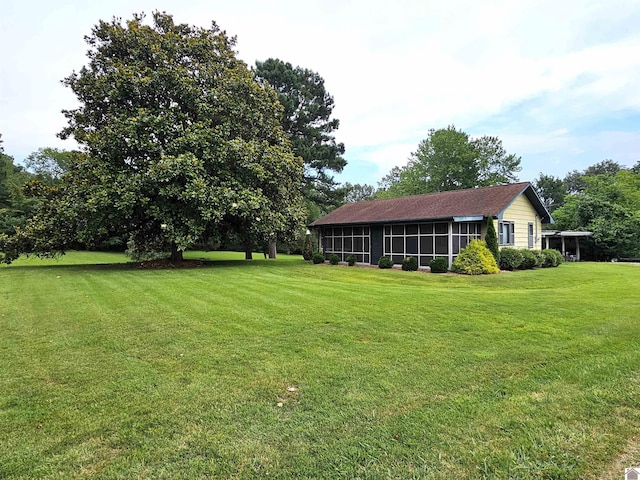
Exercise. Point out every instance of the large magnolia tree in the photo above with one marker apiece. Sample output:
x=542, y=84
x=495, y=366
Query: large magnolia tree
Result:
x=180, y=145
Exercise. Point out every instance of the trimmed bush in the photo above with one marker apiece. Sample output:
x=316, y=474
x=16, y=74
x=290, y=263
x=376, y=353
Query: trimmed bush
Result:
x=351, y=260
x=539, y=257
x=318, y=258
x=385, y=262
x=334, y=259
x=439, y=265
x=559, y=258
x=475, y=259
x=553, y=257
x=550, y=258
x=410, y=264
x=529, y=260
x=510, y=258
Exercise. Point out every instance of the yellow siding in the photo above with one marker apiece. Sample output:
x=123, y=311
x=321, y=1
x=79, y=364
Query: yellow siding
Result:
x=521, y=212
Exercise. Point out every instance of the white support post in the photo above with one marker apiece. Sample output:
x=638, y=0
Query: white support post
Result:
x=577, y=249
x=564, y=250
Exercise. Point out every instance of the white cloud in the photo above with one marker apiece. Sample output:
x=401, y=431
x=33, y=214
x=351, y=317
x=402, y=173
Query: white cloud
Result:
x=395, y=69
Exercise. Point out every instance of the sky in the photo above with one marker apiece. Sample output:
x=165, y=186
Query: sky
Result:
x=557, y=81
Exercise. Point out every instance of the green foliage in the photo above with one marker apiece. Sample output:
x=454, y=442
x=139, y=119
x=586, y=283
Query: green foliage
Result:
x=475, y=259
x=318, y=258
x=552, y=258
x=351, y=260
x=439, y=265
x=308, y=124
x=410, y=264
x=15, y=206
x=510, y=258
x=307, y=250
x=551, y=190
x=358, y=193
x=448, y=159
x=385, y=262
x=605, y=199
x=491, y=239
x=181, y=145
x=50, y=164
x=559, y=257
x=529, y=259
x=539, y=257
x=334, y=259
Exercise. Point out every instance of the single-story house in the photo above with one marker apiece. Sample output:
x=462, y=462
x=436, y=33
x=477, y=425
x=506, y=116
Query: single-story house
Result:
x=432, y=225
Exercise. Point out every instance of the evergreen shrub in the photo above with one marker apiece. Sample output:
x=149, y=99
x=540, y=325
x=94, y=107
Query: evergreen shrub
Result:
x=552, y=258
x=385, y=262
x=334, y=259
x=318, y=258
x=307, y=249
x=439, y=265
x=351, y=260
x=491, y=237
x=475, y=259
x=510, y=258
x=539, y=257
x=529, y=260
x=410, y=264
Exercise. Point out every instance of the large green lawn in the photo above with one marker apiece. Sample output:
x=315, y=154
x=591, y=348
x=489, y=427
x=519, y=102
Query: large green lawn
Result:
x=285, y=369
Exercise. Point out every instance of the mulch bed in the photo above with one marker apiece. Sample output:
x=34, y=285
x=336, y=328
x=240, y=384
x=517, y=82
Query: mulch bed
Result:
x=167, y=263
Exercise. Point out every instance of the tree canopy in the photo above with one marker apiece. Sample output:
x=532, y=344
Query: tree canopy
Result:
x=308, y=124
x=15, y=207
x=180, y=144
x=551, y=190
x=358, y=192
x=49, y=164
x=606, y=201
x=449, y=159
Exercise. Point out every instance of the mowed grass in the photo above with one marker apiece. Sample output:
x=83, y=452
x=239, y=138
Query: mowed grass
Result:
x=283, y=369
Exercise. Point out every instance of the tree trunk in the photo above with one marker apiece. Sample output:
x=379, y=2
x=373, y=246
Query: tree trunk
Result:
x=272, y=248
x=176, y=255
x=248, y=255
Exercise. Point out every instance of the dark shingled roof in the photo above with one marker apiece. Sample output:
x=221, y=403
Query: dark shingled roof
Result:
x=444, y=205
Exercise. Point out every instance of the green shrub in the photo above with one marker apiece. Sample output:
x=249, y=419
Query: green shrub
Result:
x=491, y=237
x=559, y=258
x=307, y=249
x=318, y=258
x=553, y=257
x=539, y=257
x=529, y=260
x=510, y=258
x=351, y=260
x=334, y=259
x=410, y=264
x=439, y=265
x=550, y=258
x=385, y=262
x=475, y=259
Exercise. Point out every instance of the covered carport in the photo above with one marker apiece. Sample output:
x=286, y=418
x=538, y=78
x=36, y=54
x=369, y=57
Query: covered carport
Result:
x=567, y=242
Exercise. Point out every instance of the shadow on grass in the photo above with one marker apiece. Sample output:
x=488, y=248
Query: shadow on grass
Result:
x=187, y=264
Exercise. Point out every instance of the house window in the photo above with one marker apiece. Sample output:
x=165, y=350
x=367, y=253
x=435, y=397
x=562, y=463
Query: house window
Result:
x=463, y=233
x=506, y=233
x=426, y=241
x=530, y=236
x=348, y=241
